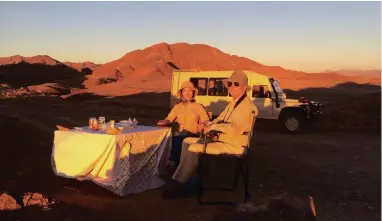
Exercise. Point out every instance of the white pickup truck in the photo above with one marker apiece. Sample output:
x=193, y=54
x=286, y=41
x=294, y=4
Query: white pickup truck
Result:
x=265, y=92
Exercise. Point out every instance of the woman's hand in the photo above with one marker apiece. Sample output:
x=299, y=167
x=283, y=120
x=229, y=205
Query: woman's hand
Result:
x=163, y=122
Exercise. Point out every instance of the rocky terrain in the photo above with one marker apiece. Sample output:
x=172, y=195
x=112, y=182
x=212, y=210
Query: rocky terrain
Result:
x=337, y=162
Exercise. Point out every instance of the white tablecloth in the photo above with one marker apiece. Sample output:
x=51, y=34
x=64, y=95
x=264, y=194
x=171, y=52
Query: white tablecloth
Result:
x=124, y=164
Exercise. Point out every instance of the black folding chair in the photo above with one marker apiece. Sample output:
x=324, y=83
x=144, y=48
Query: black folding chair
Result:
x=242, y=167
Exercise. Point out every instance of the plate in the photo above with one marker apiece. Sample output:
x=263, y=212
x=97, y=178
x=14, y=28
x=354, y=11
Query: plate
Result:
x=125, y=122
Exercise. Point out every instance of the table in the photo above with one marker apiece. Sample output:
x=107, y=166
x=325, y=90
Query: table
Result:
x=126, y=163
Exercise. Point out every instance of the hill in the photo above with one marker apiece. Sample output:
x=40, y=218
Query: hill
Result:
x=354, y=72
x=38, y=59
x=82, y=66
x=150, y=69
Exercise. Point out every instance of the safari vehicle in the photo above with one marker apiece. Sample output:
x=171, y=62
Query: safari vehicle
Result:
x=265, y=92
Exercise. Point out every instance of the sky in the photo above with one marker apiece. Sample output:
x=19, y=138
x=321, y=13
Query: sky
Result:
x=306, y=36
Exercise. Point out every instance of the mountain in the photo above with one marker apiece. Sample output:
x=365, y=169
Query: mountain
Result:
x=150, y=69
x=40, y=73
x=47, y=60
x=355, y=72
x=39, y=59
x=26, y=74
x=80, y=66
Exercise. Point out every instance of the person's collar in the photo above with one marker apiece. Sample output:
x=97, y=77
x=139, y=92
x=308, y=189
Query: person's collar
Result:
x=187, y=101
x=235, y=100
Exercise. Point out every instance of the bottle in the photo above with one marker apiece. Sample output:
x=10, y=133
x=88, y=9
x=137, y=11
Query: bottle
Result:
x=95, y=124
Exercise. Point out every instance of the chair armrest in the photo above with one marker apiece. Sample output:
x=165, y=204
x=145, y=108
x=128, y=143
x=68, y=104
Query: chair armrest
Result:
x=212, y=133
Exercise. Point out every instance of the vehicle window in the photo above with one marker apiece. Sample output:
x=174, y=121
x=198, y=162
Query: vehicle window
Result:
x=216, y=87
x=260, y=91
x=201, y=85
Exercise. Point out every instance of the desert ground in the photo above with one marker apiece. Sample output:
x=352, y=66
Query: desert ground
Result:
x=337, y=162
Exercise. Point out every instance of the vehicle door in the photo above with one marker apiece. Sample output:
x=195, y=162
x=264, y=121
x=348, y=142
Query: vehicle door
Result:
x=262, y=99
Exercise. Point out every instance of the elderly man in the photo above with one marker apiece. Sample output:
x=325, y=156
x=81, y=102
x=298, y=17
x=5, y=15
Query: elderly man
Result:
x=232, y=122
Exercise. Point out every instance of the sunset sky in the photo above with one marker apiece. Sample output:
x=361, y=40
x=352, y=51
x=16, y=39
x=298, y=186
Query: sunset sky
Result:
x=307, y=36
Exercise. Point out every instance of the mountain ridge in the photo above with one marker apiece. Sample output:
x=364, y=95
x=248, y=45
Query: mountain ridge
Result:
x=149, y=69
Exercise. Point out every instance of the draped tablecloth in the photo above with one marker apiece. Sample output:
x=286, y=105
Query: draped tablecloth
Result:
x=125, y=164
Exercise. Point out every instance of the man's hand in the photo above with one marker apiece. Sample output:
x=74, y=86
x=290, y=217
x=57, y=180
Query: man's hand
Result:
x=207, y=128
x=163, y=122
x=201, y=126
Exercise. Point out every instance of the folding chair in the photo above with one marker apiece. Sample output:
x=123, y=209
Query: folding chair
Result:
x=242, y=167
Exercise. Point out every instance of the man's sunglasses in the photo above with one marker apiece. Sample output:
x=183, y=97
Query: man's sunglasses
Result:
x=230, y=83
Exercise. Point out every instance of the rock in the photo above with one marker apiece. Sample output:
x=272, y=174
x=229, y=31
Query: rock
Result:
x=48, y=89
x=7, y=202
x=35, y=199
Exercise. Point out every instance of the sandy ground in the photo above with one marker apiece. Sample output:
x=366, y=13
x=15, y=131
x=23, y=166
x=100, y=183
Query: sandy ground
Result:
x=338, y=165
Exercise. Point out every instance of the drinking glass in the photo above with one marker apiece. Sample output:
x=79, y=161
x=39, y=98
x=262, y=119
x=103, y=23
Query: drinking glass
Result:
x=102, y=123
x=112, y=122
x=91, y=120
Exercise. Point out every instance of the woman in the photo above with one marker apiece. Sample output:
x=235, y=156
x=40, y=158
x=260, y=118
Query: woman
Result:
x=190, y=117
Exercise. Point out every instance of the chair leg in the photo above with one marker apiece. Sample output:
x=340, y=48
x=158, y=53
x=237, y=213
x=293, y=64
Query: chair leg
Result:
x=200, y=172
x=236, y=178
x=245, y=175
x=206, y=166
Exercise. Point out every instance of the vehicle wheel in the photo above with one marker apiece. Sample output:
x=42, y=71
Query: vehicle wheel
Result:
x=294, y=122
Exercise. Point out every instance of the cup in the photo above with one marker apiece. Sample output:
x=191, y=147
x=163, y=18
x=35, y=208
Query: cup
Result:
x=91, y=122
x=101, y=120
x=112, y=124
x=95, y=124
x=102, y=123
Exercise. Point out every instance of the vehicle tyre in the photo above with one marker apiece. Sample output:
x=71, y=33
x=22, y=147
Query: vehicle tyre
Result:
x=294, y=122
